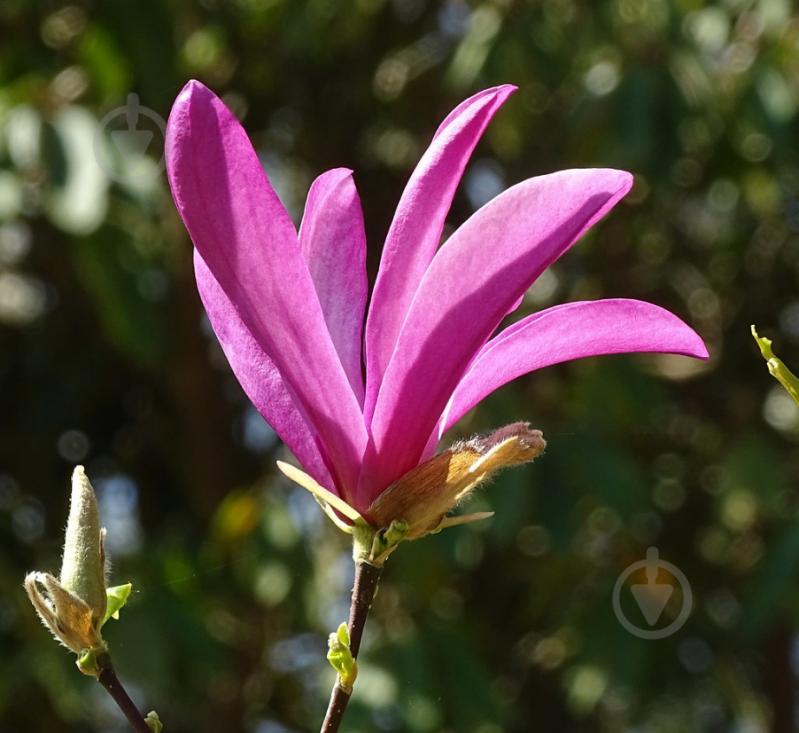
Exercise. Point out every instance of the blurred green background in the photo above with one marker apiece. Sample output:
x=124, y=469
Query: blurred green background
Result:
x=106, y=359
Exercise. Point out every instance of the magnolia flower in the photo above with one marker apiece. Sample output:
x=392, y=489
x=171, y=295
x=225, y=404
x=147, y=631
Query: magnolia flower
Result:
x=362, y=399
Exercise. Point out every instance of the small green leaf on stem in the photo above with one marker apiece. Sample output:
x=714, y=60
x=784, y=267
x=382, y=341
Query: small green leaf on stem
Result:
x=343, y=635
x=387, y=540
x=340, y=657
x=154, y=722
x=117, y=598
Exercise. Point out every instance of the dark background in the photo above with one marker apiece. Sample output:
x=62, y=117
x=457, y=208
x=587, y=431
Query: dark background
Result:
x=106, y=359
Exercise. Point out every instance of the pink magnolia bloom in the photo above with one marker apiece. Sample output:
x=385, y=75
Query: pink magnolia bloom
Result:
x=360, y=410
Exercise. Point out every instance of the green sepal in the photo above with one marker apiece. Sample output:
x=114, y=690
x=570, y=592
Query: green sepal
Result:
x=326, y=499
x=117, y=598
x=778, y=370
x=393, y=534
x=387, y=540
x=340, y=657
x=373, y=546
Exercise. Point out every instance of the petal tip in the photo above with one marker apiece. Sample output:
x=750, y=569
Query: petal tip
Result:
x=498, y=95
x=693, y=345
x=687, y=342
x=700, y=350
x=342, y=173
x=505, y=90
x=613, y=181
x=625, y=179
x=191, y=90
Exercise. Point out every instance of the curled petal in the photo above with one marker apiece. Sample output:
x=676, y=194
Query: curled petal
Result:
x=567, y=332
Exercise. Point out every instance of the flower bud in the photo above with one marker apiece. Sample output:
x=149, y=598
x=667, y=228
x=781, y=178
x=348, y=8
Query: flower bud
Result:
x=73, y=607
x=83, y=565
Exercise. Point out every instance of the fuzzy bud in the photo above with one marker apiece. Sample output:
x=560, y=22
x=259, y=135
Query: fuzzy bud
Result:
x=83, y=565
x=73, y=607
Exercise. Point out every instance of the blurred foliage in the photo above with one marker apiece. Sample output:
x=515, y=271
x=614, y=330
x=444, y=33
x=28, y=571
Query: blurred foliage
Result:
x=105, y=358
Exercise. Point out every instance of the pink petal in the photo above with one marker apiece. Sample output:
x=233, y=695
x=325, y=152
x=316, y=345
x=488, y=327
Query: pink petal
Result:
x=416, y=230
x=258, y=375
x=248, y=241
x=567, y=332
x=472, y=282
x=333, y=242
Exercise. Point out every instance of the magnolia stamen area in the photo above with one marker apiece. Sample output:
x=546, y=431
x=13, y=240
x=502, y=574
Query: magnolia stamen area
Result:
x=421, y=499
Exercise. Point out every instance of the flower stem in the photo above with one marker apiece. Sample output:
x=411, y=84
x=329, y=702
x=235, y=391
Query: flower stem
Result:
x=363, y=592
x=108, y=679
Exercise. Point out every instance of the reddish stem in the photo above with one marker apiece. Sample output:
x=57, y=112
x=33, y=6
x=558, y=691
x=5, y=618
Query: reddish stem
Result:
x=363, y=592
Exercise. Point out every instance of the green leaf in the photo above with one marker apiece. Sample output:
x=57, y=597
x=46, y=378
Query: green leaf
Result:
x=778, y=370
x=117, y=598
x=154, y=722
x=340, y=657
